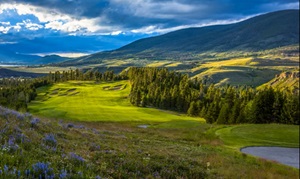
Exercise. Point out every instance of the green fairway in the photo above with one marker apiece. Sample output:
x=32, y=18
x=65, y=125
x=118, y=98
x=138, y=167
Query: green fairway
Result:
x=260, y=135
x=90, y=101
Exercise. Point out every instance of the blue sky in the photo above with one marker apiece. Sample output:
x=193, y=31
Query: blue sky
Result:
x=86, y=26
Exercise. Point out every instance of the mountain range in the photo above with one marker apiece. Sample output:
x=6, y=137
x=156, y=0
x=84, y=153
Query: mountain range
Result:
x=263, y=32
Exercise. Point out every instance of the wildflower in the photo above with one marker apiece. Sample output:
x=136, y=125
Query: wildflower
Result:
x=42, y=170
x=11, y=141
x=28, y=115
x=94, y=147
x=76, y=158
x=49, y=139
x=20, y=138
x=80, y=127
x=27, y=172
x=20, y=116
x=11, y=146
x=34, y=122
x=156, y=175
x=63, y=174
x=5, y=168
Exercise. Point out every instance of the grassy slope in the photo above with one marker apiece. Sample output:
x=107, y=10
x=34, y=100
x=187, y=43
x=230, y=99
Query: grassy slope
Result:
x=87, y=101
x=287, y=83
x=118, y=150
x=260, y=135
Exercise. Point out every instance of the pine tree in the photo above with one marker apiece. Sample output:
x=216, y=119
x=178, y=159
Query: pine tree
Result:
x=192, y=111
x=223, y=115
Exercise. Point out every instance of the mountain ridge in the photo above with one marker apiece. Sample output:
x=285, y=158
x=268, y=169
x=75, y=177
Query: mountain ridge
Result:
x=263, y=32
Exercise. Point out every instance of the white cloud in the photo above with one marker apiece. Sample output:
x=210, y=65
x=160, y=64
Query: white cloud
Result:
x=116, y=32
x=43, y=14
x=147, y=30
x=5, y=23
x=160, y=30
x=4, y=42
x=82, y=25
x=31, y=26
x=68, y=54
x=4, y=30
x=156, y=9
x=52, y=19
x=277, y=6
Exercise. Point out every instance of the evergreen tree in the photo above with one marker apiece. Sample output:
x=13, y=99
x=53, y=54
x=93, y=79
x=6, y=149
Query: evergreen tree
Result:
x=192, y=111
x=223, y=115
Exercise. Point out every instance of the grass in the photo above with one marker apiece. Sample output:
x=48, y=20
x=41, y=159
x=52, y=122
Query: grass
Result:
x=119, y=150
x=237, y=75
x=159, y=64
x=231, y=62
x=260, y=135
x=87, y=101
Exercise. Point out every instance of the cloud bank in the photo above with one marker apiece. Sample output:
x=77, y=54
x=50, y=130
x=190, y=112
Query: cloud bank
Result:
x=113, y=17
x=44, y=26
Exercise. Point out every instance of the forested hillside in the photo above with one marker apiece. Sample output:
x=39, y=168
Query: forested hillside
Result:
x=224, y=105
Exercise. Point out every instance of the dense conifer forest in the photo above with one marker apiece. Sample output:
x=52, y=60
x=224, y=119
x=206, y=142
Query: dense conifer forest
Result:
x=16, y=93
x=160, y=88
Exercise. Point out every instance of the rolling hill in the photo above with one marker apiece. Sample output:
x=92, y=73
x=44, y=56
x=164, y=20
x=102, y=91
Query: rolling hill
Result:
x=263, y=32
x=10, y=57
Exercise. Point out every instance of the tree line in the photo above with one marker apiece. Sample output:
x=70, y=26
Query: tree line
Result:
x=88, y=75
x=223, y=105
x=16, y=93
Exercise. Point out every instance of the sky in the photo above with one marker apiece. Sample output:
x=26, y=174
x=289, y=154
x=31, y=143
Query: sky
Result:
x=88, y=26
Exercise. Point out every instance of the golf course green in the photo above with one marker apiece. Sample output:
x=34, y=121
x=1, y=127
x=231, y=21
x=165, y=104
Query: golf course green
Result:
x=91, y=101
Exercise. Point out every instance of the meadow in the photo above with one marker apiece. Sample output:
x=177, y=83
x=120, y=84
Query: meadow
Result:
x=39, y=147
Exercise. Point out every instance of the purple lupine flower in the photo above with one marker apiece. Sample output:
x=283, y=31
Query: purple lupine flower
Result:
x=42, y=170
x=34, y=122
x=20, y=116
x=49, y=139
x=11, y=145
x=63, y=174
x=27, y=172
x=11, y=141
x=76, y=158
x=5, y=168
x=156, y=175
x=28, y=115
x=20, y=138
